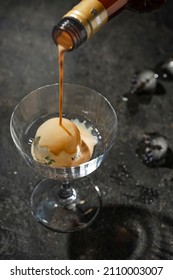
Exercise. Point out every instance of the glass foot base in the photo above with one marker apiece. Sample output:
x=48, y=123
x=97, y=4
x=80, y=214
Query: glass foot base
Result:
x=65, y=214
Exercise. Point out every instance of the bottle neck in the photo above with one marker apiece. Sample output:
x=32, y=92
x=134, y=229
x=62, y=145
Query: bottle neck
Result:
x=69, y=33
x=84, y=20
x=114, y=7
x=91, y=14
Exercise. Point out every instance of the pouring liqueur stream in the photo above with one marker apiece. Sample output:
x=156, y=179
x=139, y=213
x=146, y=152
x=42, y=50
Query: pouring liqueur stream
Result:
x=84, y=20
x=78, y=25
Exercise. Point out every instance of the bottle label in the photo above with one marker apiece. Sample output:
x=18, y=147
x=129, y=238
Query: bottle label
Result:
x=91, y=13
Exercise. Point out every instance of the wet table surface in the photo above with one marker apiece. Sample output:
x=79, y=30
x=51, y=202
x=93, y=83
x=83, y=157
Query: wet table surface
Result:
x=136, y=218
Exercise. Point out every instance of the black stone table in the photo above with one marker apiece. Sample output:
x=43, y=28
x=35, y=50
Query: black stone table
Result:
x=136, y=219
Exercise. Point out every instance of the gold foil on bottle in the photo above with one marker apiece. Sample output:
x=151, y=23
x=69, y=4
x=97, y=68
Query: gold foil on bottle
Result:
x=91, y=13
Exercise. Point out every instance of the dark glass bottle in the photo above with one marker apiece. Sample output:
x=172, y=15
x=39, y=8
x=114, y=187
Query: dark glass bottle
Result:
x=86, y=18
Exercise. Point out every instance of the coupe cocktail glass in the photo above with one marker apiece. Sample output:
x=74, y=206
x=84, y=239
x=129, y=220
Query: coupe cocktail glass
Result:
x=59, y=201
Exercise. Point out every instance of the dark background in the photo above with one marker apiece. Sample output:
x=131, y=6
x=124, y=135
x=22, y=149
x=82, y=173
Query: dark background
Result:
x=136, y=220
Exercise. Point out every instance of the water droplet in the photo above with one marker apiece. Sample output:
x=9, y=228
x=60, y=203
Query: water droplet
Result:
x=165, y=69
x=156, y=76
x=125, y=98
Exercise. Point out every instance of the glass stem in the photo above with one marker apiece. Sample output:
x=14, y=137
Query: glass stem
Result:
x=66, y=191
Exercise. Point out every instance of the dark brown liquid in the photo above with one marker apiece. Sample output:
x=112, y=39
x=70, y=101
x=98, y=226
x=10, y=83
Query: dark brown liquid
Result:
x=64, y=40
x=114, y=7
